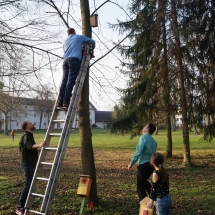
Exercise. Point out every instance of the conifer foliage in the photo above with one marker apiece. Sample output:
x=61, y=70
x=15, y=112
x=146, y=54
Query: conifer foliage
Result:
x=170, y=64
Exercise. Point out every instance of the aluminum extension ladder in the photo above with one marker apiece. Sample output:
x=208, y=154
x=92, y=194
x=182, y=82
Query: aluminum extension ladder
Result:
x=47, y=172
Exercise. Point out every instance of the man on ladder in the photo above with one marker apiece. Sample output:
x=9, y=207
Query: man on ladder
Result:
x=72, y=62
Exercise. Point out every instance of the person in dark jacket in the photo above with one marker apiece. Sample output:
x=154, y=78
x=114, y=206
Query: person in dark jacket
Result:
x=29, y=156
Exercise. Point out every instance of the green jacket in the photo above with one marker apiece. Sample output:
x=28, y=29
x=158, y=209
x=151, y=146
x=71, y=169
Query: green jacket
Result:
x=28, y=155
x=145, y=148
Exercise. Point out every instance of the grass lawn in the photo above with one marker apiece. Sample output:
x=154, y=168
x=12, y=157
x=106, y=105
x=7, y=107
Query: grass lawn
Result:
x=192, y=190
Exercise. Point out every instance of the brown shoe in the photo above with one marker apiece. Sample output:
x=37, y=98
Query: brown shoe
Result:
x=59, y=105
x=65, y=105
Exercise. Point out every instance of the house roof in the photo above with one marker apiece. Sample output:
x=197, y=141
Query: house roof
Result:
x=103, y=116
x=26, y=101
x=34, y=101
x=91, y=105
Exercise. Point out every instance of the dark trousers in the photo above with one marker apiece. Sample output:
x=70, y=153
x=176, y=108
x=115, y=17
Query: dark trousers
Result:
x=71, y=67
x=29, y=173
x=143, y=186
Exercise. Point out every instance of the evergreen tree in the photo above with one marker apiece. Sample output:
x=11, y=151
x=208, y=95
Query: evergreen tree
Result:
x=148, y=96
x=200, y=40
x=172, y=68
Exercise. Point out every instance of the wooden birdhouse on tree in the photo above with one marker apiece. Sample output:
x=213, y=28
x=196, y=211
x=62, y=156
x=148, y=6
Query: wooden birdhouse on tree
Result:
x=94, y=20
x=84, y=186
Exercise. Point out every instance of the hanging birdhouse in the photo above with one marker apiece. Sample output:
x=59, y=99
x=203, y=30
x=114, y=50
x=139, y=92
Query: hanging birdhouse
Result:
x=94, y=20
x=84, y=186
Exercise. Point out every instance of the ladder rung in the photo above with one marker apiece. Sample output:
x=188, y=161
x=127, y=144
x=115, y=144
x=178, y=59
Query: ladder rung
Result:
x=55, y=134
x=35, y=212
x=50, y=148
x=43, y=179
x=59, y=120
x=37, y=194
x=46, y=163
x=61, y=108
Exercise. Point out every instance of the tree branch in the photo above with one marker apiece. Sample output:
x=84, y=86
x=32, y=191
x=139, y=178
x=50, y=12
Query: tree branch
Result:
x=29, y=46
x=112, y=48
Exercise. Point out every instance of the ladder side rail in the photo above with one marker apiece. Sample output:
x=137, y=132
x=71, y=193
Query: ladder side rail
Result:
x=47, y=139
x=41, y=158
x=51, y=123
x=42, y=155
x=65, y=135
x=65, y=142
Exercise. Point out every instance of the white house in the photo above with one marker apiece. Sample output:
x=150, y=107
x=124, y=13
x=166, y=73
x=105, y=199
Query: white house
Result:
x=178, y=118
x=28, y=109
x=102, y=118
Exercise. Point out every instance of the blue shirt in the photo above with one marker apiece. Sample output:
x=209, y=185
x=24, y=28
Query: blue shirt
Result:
x=146, y=146
x=72, y=46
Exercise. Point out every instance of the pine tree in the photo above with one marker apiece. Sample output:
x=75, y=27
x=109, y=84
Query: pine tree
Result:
x=147, y=98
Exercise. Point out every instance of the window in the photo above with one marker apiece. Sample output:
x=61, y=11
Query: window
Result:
x=181, y=119
x=26, y=107
x=17, y=124
x=177, y=119
x=35, y=115
x=44, y=123
x=35, y=123
x=26, y=114
x=44, y=115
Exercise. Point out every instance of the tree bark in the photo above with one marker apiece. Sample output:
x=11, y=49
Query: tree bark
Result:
x=166, y=82
x=183, y=102
x=5, y=122
x=88, y=164
x=41, y=117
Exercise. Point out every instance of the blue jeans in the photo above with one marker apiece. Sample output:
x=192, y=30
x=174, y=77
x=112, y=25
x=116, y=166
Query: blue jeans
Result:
x=71, y=67
x=163, y=205
x=29, y=173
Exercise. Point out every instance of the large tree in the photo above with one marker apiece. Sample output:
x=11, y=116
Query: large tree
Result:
x=181, y=81
x=151, y=77
x=24, y=50
x=171, y=69
x=199, y=37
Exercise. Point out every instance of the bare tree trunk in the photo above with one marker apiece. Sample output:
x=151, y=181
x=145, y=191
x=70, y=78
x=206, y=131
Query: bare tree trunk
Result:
x=156, y=130
x=166, y=83
x=173, y=123
x=41, y=117
x=5, y=123
x=88, y=164
x=186, y=160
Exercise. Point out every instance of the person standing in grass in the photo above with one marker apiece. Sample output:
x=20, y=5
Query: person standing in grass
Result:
x=29, y=156
x=160, y=186
x=146, y=146
x=12, y=133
